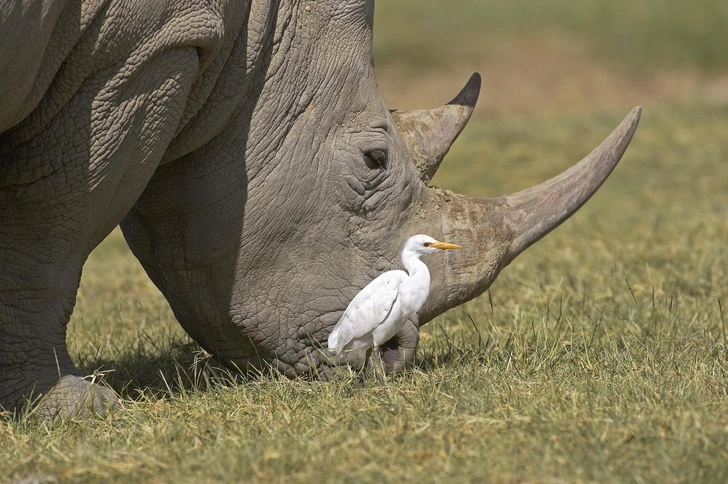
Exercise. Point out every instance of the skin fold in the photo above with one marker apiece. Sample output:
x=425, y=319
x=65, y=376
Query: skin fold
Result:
x=233, y=143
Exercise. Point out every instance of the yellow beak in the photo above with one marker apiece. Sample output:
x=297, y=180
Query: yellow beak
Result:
x=444, y=245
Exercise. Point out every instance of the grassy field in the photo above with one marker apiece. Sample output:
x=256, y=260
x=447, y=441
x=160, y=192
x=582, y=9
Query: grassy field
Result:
x=600, y=354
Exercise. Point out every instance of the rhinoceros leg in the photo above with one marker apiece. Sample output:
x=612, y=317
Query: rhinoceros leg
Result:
x=64, y=185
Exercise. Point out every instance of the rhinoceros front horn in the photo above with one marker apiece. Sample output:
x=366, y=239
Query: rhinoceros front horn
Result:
x=494, y=231
x=429, y=133
x=536, y=211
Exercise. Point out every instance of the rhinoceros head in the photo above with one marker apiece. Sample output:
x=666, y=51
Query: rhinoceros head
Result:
x=260, y=236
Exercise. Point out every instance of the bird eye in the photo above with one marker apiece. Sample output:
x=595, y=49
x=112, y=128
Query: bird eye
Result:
x=376, y=159
x=427, y=244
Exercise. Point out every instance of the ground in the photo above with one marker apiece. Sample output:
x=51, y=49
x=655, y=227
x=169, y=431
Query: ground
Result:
x=598, y=355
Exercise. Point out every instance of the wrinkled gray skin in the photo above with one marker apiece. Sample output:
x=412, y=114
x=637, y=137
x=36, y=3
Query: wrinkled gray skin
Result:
x=230, y=140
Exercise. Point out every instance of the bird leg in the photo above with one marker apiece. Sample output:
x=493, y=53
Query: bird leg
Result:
x=374, y=354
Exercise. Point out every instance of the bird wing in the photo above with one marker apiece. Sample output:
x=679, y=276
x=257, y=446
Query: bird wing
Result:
x=367, y=310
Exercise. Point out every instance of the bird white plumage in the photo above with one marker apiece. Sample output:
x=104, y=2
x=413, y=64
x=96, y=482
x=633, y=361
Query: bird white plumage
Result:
x=380, y=310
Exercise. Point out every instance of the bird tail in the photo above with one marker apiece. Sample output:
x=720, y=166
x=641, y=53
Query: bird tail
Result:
x=334, y=341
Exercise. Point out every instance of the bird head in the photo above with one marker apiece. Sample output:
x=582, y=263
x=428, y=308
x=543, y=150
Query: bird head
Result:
x=424, y=244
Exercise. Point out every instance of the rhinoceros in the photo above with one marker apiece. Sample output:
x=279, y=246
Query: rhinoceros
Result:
x=258, y=176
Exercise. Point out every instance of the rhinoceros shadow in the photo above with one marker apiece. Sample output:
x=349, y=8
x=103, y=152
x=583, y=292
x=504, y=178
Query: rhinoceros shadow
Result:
x=168, y=366
x=174, y=365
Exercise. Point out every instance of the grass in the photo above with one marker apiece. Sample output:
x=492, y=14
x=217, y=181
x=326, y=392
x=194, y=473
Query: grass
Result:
x=600, y=354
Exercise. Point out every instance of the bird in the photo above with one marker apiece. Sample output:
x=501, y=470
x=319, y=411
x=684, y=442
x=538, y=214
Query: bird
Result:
x=380, y=310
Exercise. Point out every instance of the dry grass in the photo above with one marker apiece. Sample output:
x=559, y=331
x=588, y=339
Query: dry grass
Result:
x=598, y=355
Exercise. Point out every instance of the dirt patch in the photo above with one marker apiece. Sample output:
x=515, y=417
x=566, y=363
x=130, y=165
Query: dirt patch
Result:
x=543, y=77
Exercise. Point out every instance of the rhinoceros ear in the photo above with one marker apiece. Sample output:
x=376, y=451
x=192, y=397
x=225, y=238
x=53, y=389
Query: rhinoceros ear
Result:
x=428, y=134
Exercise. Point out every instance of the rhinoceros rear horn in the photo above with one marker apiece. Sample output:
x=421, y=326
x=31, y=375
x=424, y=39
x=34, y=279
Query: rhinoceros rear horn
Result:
x=429, y=133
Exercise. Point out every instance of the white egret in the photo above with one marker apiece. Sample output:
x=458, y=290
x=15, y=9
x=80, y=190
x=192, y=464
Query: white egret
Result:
x=380, y=310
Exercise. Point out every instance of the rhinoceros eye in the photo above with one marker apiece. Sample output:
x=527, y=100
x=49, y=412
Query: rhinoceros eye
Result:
x=376, y=159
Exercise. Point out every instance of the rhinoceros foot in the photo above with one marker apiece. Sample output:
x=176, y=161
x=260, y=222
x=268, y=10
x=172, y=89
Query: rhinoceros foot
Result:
x=76, y=397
